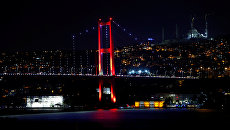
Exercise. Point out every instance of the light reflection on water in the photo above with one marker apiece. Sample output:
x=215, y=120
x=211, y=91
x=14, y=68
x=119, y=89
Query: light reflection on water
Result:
x=113, y=114
x=123, y=118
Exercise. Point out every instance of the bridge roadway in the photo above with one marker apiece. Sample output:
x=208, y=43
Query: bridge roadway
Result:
x=92, y=75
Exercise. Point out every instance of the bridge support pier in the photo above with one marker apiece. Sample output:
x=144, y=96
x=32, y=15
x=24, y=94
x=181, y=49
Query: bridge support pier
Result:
x=103, y=83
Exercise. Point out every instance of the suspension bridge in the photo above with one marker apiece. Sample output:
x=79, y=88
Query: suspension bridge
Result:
x=105, y=64
x=105, y=71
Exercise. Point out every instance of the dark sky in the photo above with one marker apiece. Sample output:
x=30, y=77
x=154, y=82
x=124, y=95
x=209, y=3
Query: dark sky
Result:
x=37, y=24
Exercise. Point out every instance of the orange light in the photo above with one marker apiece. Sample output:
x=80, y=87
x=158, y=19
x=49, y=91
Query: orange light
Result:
x=26, y=87
x=161, y=103
x=147, y=104
x=156, y=104
x=114, y=99
x=100, y=94
x=137, y=104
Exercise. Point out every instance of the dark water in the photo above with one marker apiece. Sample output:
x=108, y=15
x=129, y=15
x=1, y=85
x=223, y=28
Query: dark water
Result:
x=121, y=119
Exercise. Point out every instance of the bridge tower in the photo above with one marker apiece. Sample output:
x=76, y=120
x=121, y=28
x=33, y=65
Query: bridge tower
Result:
x=102, y=82
x=102, y=50
x=109, y=50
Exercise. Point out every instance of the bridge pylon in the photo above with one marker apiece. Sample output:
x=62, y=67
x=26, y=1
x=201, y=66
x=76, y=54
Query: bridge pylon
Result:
x=102, y=50
x=111, y=84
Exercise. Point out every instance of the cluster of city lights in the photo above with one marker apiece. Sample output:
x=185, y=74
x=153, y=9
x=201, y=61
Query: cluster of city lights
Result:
x=139, y=71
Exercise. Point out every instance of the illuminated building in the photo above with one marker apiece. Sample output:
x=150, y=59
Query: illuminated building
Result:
x=193, y=33
x=149, y=104
x=137, y=104
x=146, y=104
x=44, y=101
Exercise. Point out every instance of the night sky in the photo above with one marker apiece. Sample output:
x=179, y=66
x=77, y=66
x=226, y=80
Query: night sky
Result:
x=38, y=24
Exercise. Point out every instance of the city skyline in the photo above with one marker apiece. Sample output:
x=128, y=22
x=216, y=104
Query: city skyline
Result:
x=119, y=64
x=196, y=59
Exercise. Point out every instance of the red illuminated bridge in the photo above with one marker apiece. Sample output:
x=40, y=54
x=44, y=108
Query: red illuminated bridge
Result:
x=105, y=50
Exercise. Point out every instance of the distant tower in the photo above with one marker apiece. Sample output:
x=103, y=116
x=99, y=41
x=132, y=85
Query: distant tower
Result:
x=74, y=53
x=192, y=27
x=87, y=61
x=192, y=23
x=176, y=32
x=163, y=34
x=206, y=26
